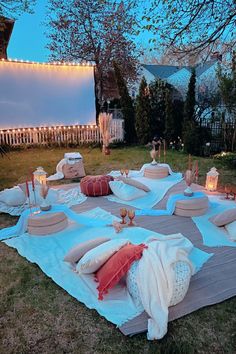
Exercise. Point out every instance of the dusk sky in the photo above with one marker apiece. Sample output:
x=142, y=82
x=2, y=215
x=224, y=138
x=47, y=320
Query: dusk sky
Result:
x=28, y=39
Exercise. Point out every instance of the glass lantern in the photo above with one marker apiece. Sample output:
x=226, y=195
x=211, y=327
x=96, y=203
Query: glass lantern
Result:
x=40, y=175
x=212, y=180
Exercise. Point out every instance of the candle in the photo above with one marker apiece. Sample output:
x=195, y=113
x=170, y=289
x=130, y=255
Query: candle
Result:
x=159, y=153
x=196, y=171
x=32, y=180
x=27, y=189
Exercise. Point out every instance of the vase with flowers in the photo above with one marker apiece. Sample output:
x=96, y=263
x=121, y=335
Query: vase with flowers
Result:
x=189, y=180
x=153, y=154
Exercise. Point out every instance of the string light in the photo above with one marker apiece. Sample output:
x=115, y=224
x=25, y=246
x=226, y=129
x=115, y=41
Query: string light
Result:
x=52, y=63
x=14, y=130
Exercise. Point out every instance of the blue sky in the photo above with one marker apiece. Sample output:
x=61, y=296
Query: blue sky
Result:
x=28, y=40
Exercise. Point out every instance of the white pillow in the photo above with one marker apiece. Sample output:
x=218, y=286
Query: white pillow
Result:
x=13, y=196
x=231, y=229
x=125, y=191
x=96, y=257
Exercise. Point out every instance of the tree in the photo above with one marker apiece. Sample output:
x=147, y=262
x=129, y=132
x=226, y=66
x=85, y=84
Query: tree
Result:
x=157, y=103
x=191, y=26
x=143, y=110
x=127, y=106
x=93, y=30
x=190, y=102
x=189, y=124
x=194, y=135
x=14, y=8
x=169, y=121
x=227, y=87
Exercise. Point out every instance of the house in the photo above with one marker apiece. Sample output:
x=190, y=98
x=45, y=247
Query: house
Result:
x=179, y=76
x=6, y=27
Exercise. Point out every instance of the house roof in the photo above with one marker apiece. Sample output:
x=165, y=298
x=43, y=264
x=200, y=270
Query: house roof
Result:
x=201, y=68
x=161, y=71
x=165, y=71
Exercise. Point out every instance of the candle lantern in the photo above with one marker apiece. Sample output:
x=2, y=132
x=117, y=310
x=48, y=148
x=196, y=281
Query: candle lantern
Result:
x=40, y=175
x=212, y=180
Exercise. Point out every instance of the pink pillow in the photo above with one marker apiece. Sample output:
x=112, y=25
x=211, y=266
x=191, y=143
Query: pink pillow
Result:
x=134, y=183
x=224, y=218
x=116, y=267
x=78, y=251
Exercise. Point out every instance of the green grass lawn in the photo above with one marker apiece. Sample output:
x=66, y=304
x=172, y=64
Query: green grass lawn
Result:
x=37, y=316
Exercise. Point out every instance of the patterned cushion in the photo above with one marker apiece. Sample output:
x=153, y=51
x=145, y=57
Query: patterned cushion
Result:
x=94, y=186
x=180, y=286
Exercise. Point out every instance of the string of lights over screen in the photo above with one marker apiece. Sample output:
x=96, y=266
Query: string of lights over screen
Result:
x=46, y=94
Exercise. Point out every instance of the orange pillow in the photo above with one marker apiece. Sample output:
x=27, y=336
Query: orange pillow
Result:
x=116, y=267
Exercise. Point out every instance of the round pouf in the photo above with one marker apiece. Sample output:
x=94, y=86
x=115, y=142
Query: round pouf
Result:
x=156, y=172
x=46, y=224
x=191, y=206
x=95, y=186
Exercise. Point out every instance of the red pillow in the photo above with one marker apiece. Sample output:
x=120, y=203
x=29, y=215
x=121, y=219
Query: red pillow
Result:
x=117, y=266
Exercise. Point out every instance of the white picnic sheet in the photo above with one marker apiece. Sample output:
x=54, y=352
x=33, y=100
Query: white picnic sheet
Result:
x=170, y=205
x=48, y=252
x=69, y=197
x=158, y=187
x=212, y=235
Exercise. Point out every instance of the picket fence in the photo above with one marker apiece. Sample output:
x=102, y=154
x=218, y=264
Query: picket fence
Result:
x=76, y=134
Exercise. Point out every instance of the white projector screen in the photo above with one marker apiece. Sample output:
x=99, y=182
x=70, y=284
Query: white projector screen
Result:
x=34, y=95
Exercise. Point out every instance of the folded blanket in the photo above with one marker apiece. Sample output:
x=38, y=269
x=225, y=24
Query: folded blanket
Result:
x=156, y=277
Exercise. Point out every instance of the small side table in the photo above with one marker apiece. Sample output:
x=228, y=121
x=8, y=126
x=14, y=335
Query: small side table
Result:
x=46, y=224
x=191, y=206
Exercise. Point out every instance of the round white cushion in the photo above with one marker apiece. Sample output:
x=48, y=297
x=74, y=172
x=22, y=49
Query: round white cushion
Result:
x=181, y=285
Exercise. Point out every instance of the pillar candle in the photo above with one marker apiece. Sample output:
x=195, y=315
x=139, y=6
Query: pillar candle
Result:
x=32, y=180
x=27, y=189
x=196, y=171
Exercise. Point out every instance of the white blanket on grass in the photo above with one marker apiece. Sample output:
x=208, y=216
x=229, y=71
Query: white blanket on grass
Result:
x=212, y=235
x=69, y=197
x=48, y=252
x=158, y=187
x=170, y=205
x=156, y=287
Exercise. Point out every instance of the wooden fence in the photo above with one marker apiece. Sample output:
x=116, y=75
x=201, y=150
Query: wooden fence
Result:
x=76, y=134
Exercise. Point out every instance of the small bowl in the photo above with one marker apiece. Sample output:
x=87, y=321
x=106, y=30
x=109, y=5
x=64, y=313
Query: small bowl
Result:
x=45, y=207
